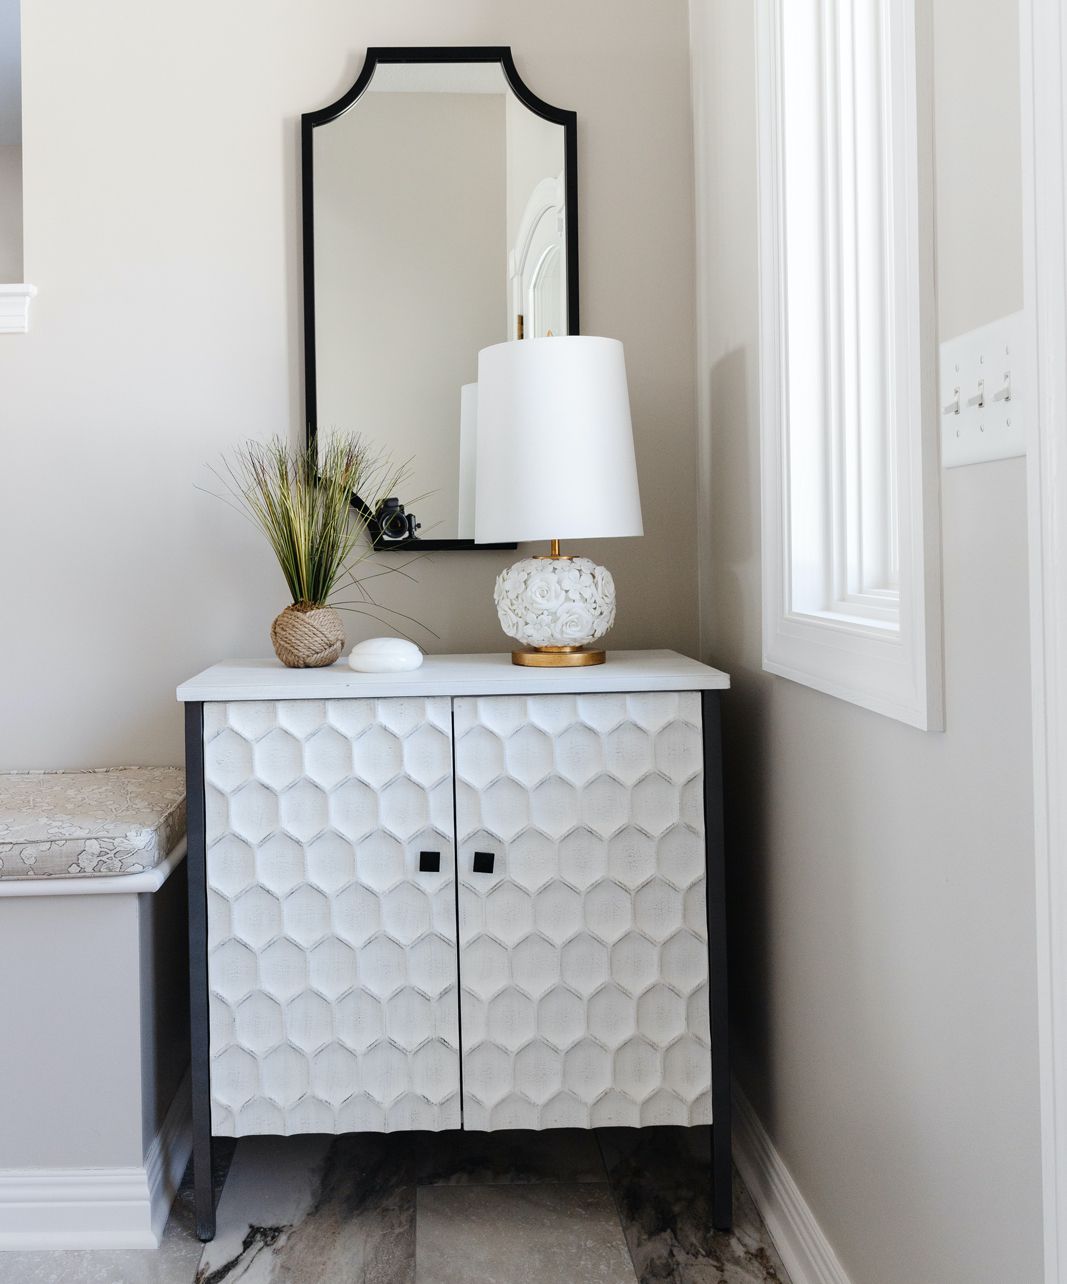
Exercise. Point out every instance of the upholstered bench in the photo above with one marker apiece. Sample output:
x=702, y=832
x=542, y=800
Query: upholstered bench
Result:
x=94, y=1111
x=73, y=824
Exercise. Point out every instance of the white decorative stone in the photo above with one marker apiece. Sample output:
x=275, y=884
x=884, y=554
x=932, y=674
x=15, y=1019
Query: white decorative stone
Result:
x=385, y=655
x=567, y=601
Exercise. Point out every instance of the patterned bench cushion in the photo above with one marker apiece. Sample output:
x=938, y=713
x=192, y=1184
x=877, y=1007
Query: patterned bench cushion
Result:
x=113, y=820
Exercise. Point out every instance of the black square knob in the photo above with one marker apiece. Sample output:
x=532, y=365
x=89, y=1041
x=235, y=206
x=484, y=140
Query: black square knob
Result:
x=429, y=862
x=483, y=862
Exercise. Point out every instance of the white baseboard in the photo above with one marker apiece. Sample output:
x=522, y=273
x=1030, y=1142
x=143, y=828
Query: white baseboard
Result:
x=50, y=1208
x=804, y=1249
x=168, y=1156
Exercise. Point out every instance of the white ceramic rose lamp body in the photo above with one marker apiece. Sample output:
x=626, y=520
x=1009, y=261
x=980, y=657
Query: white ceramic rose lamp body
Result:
x=555, y=460
x=555, y=602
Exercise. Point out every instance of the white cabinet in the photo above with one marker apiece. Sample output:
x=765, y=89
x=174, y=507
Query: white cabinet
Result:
x=469, y=896
x=582, y=910
x=332, y=966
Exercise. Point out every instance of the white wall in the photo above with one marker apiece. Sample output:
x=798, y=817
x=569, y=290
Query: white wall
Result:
x=162, y=232
x=882, y=915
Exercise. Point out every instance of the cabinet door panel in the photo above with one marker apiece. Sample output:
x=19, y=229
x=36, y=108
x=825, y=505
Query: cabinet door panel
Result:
x=583, y=954
x=331, y=954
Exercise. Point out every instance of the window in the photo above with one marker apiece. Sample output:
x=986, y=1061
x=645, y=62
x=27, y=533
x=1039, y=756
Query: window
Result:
x=14, y=297
x=848, y=354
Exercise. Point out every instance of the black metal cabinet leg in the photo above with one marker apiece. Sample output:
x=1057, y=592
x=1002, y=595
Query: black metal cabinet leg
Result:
x=721, y=1165
x=196, y=859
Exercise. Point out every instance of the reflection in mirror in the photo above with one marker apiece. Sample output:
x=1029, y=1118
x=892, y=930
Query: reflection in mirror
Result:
x=437, y=221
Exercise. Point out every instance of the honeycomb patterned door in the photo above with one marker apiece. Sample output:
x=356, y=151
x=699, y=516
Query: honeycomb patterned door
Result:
x=331, y=953
x=583, y=952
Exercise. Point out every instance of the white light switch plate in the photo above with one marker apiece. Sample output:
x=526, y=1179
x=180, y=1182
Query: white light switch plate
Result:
x=983, y=366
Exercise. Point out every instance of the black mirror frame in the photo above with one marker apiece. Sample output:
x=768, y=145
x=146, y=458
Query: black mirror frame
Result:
x=308, y=122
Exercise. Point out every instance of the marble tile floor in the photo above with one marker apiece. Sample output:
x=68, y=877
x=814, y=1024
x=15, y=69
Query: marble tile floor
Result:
x=569, y=1207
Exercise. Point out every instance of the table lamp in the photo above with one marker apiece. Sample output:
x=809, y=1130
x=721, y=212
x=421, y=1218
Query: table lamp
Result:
x=468, y=428
x=554, y=461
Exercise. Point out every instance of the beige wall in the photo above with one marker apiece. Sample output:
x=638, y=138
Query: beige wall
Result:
x=162, y=232
x=10, y=213
x=979, y=163
x=882, y=914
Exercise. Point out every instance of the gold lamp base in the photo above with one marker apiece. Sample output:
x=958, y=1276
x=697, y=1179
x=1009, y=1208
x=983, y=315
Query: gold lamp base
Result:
x=556, y=657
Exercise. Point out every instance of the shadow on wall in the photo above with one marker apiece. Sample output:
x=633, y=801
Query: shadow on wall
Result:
x=765, y=721
x=732, y=481
x=734, y=487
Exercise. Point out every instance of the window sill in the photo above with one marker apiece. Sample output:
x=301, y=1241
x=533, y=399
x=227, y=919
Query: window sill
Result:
x=840, y=616
x=15, y=308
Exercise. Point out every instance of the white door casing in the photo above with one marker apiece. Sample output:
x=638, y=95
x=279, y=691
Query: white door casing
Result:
x=537, y=263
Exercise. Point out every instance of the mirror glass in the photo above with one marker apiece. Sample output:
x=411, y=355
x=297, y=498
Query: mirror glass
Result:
x=439, y=216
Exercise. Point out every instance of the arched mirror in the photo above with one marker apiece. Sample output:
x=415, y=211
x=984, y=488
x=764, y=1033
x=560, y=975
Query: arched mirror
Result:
x=440, y=216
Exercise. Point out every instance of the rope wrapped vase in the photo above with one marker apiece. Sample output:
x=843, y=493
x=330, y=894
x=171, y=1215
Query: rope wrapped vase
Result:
x=307, y=636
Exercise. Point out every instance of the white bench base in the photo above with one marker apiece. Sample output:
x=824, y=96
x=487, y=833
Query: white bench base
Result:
x=94, y=1094
x=53, y=1208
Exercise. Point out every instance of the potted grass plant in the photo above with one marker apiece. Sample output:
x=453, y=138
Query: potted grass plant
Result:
x=301, y=499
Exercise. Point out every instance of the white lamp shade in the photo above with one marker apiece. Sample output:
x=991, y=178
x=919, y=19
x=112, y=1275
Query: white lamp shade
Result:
x=555, y=447
x=468, y=436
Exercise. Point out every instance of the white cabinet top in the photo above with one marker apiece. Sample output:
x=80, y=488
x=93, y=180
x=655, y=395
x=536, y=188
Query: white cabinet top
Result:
x=451, y=675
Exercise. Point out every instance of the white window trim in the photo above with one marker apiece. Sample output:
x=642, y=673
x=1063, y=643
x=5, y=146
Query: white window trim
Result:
x=856, y=649
x=15, y=296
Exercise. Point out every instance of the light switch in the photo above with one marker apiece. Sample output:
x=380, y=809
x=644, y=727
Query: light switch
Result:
x=982, y=394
